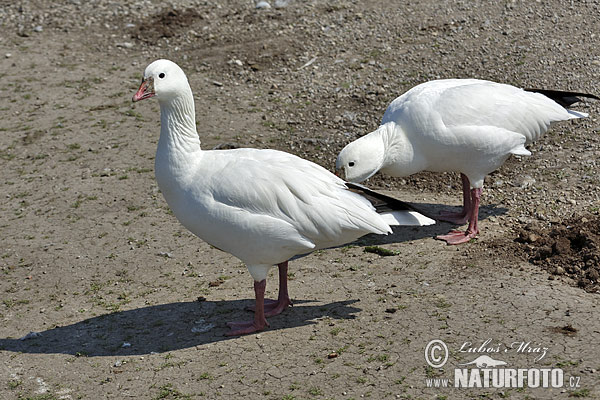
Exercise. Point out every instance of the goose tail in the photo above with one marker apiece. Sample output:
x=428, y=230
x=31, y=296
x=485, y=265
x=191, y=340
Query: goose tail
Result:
x=392, y=210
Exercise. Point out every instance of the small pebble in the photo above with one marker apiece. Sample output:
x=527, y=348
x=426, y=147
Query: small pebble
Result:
x=263, y=5
x=201, y=326
x=31, y=335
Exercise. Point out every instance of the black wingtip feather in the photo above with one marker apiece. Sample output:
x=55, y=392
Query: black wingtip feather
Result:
x=383, y=203
x=563, y=98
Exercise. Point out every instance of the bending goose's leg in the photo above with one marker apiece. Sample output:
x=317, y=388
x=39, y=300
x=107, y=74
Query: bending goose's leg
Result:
x=458, y=237
x=276, y=307
x=259, y=322
x=463, y=216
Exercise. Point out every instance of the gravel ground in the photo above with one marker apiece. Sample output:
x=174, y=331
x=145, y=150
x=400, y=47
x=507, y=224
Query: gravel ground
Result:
x=128, y=304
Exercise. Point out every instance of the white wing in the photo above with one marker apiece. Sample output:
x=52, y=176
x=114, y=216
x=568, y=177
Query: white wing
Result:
x=297, y=193
x=472, y=102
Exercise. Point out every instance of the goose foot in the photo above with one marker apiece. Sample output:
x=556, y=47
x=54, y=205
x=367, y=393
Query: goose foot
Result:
x=260, y=322
x=457, y=237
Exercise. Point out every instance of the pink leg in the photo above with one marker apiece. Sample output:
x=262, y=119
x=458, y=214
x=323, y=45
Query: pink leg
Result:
x=463, y=216
x=458, y=237
x=259, y=323
x=276, y=307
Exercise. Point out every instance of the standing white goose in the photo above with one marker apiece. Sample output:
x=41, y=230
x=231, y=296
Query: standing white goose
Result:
x=469, y=126
x=262, y=206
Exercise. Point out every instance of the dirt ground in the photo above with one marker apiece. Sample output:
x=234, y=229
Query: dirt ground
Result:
x=123, y=302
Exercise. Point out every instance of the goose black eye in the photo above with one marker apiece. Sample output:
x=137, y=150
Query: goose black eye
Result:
x=351, y=164
x=161, y=75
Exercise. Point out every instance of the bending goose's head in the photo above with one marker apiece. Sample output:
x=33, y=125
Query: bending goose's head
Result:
x=361, y=159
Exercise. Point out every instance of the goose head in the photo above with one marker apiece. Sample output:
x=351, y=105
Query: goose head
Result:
x=361, y=159
x=163, y=79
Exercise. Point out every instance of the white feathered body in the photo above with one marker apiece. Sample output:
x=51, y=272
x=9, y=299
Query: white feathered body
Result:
x=464, y=125
x=262, y=206
x=250, y=202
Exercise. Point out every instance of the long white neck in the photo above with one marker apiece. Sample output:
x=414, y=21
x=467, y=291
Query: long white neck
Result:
x=179, y=145
x=178, y=123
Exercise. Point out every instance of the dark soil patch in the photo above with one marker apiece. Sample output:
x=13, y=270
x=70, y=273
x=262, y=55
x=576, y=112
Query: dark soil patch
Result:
x=571, y=248
x=568, y=330
x=166, y=24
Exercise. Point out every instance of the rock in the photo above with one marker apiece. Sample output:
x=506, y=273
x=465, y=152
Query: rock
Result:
x=561, y=246
x=524, y=182
x=31, y=335
x=263, y=5
x=201, y=326
x=282, y=3
x=543, y=253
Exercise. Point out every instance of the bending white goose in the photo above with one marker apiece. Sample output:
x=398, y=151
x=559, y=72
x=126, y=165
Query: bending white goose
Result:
x=262, y=206
x=465, y=125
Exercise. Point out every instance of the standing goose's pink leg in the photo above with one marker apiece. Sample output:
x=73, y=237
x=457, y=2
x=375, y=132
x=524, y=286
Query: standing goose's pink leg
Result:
x=259, y=322
x=276, y=307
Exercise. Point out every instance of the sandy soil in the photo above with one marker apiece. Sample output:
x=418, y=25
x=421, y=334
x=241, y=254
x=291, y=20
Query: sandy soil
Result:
x=125, y=303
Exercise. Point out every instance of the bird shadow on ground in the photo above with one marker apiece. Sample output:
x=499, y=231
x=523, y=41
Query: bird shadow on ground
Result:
x=164, y=328
x=174, y=326
x=407, y=233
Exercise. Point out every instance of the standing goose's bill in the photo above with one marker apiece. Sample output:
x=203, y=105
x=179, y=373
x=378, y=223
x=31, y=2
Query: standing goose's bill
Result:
x=262, y=206
x=469, y=126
